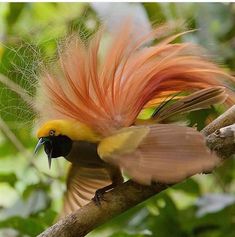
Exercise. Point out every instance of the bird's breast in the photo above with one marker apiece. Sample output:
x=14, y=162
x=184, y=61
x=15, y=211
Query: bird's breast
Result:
x=85, y=154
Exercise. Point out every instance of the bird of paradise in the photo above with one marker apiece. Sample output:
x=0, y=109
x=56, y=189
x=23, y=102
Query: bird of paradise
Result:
x=92, y=108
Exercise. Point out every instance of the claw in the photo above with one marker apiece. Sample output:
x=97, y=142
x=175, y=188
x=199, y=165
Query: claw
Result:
x=99, y=196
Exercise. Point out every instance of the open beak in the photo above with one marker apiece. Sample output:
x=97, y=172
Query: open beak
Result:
x=40, y=143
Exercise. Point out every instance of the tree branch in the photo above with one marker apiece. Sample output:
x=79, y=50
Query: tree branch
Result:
x=79, y=223
x=118, y=200
x=222, y=141
x=226, y=119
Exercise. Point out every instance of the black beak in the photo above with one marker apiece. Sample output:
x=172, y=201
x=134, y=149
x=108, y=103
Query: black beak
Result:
x=40, y=143
x=49, y=159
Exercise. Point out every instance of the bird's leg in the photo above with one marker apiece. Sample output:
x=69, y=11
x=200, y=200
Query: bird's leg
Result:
x=99, y=194
x=116, y=177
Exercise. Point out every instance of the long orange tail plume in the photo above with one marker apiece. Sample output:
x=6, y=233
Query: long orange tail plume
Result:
x=110, y=93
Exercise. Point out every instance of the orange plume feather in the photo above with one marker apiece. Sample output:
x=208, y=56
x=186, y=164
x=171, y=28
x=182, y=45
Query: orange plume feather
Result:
x=109, y=94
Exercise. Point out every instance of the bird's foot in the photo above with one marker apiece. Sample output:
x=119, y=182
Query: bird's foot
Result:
x=99, y=196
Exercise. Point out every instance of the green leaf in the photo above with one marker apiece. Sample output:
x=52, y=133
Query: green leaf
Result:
x=15, y=10
x=167, y=221
x=154, y=11
x=210, y=225
x=189, y=186
x=7, y=149
x=48, y=217
x=26, y=226
x=34, y=187
x=8, y=178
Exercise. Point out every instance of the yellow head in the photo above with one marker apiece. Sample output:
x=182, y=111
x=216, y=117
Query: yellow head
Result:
x=57, y=137
x=75, y=130
x=51, y=128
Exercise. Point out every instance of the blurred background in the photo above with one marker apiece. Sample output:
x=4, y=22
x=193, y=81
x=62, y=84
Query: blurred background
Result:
x=30, y=193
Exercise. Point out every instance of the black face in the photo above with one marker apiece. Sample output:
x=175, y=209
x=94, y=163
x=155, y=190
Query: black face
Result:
x=55, y=146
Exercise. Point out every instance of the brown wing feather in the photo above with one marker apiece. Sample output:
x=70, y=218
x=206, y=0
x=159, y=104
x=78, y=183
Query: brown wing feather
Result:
x=169, y=154
x=81, y=186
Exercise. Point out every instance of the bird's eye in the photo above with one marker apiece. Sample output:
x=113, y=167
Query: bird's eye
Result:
x=52, y=133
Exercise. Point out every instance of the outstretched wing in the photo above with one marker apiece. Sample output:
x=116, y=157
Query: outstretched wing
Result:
x=110, y=95
x=81, y=186
x=164, y=153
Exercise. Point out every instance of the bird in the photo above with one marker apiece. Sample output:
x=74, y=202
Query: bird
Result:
x=90, y=105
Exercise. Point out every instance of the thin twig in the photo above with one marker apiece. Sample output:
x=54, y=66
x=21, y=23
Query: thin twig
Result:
x=12, y=137
x=18, y=145
x=18, y=90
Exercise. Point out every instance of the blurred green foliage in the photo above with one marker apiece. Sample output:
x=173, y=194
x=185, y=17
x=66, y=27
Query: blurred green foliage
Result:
x=30, y=194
